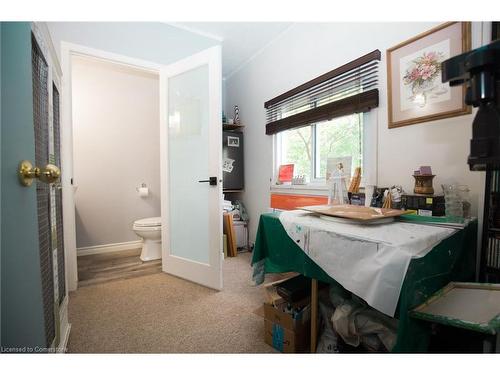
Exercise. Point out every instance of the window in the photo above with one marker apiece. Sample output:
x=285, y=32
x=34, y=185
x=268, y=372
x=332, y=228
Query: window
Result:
x=310, y=147
x=322, y=122
x=296, y=148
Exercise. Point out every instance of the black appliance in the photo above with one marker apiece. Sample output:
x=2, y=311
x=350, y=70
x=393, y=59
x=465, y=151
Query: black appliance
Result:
x=479, y=71
x=232, y=161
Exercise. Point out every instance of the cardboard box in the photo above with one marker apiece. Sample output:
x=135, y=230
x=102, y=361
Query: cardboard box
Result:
x=283, y=332
x=270, y=294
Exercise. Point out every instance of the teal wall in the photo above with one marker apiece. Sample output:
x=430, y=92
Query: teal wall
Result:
x=22, y=322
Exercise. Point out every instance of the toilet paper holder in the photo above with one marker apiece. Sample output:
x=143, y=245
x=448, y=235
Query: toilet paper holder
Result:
x=143, y=185
x=143, y=190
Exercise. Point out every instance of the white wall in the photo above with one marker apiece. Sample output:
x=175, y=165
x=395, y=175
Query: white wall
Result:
x=150, y=41
x=116, y=148
x=307, y=50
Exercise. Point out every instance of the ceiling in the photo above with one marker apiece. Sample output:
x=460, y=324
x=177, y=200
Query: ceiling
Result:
x=240, y=41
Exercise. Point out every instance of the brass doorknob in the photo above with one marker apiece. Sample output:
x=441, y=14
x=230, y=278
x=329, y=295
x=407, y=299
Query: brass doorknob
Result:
x=27, y=173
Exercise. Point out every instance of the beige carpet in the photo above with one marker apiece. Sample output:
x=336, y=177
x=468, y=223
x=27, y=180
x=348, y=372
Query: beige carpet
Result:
x=164, y=314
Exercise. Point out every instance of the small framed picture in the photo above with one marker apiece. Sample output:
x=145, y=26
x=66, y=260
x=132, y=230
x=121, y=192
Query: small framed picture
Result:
x=233, y=141
x=285, y=173
x=415, y=92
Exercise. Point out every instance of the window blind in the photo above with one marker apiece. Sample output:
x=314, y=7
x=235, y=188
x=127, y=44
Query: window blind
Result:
x=348, y=89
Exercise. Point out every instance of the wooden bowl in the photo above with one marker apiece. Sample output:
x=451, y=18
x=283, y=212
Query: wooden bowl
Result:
x=423, y=184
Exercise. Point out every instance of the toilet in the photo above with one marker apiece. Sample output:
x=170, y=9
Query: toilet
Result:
x=149, y=229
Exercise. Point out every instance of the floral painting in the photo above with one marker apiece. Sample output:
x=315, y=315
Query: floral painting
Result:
x=414, y=87
x=421, y=76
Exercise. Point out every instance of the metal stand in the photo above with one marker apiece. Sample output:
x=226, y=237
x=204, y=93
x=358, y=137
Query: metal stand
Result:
x=492, y=344
x=489, y=266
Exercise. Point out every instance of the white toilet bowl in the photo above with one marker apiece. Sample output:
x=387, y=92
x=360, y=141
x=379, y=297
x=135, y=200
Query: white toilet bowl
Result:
x=149, y=229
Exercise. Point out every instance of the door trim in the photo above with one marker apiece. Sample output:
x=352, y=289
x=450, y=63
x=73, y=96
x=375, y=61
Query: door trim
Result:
x=67, y=51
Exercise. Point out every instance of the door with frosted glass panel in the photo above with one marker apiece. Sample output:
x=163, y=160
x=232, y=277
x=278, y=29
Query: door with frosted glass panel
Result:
x=191, y=175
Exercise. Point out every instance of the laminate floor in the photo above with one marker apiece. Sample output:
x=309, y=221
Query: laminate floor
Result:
x=101, y=268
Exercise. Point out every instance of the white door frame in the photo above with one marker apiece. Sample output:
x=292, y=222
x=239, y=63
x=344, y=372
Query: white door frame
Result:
x=207, y=274
x=67, y=51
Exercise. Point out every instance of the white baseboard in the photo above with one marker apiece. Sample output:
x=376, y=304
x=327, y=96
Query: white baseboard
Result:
x=109, y=248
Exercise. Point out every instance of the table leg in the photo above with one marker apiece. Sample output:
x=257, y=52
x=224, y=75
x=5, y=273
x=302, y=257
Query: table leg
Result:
x=248, y=235
x=314, y=314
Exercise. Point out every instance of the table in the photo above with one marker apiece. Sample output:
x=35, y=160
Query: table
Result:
x=470, y=306
x=453, y=259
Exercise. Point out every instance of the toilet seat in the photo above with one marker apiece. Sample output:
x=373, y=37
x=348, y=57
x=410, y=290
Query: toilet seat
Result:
x=149, y=222
x=146, y=229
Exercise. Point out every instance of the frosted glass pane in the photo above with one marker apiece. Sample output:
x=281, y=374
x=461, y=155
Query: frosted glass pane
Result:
x=188, y=163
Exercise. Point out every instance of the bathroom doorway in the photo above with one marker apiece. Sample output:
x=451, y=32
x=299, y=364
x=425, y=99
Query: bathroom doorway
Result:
x=189, y=99
x=115, y=111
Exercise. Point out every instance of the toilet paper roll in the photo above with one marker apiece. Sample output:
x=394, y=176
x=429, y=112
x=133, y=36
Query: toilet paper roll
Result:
x=143, y=192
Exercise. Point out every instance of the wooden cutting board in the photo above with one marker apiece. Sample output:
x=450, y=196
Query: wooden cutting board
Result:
x=359, y=213
x=230, y=233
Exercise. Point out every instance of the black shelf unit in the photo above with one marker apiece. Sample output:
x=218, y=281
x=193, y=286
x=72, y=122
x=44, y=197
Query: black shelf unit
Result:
x=489, y=270
x=233, y=127
x=232, y=150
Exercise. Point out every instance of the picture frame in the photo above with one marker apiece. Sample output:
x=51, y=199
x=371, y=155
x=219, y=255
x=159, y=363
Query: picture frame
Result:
x=415, y=93
x=233, y=141
x=285, y=173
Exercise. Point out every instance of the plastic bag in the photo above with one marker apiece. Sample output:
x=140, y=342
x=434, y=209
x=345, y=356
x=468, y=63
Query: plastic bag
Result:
x=243, y=211
x=328, y=341
x=357, y=323
x=338, y=295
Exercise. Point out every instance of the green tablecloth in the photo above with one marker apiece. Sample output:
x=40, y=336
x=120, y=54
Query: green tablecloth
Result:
x=453, y=259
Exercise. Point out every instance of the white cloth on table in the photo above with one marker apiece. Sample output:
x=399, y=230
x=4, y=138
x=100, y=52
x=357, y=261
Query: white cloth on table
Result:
x=368, y=260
